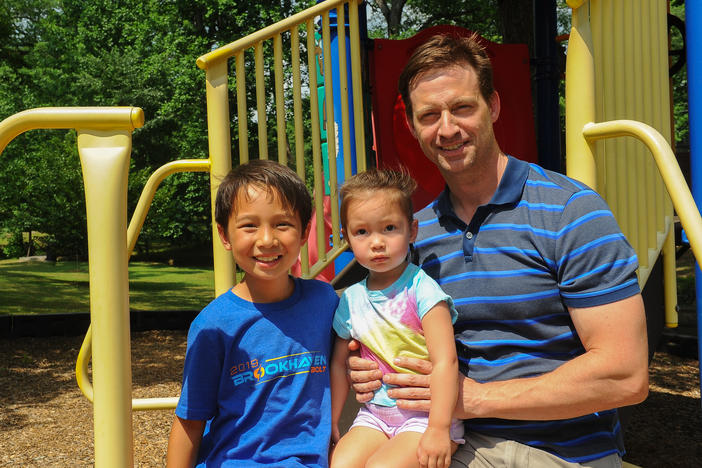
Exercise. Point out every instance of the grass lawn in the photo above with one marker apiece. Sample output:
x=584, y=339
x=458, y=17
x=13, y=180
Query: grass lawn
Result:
x=62, y=287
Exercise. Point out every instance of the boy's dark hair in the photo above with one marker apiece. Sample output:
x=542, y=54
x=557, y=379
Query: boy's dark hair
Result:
x=443, y=51
x=274, y=178
x=399, y=184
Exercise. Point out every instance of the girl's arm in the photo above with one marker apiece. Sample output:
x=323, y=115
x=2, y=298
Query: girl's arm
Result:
x=435, y=445
x=184, y=442
x=339, y=383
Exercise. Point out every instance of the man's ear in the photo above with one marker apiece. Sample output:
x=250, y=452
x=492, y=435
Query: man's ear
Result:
x=414, y=228
x=495, y=106
x=223, y=237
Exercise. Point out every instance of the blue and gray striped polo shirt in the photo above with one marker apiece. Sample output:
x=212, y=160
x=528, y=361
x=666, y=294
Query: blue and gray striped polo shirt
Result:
x=544, y=243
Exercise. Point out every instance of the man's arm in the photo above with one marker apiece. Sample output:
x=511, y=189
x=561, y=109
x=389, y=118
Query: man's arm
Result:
x=184, y=442
x=613, y=372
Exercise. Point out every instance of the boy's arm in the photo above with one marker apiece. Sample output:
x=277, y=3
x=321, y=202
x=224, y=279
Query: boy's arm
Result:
x=184, y=442
x=435, y=445
x=339, y=383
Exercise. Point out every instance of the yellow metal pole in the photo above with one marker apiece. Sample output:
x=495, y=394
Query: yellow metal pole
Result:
x=105, y=160
x=299, y=128
x=220, y=163
x=356, y=84
x=279, y=100
x=241, y=107
x=580, y=98
x=260, y=102
x=670, y=287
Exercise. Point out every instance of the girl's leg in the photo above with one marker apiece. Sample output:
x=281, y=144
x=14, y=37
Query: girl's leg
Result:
x=356, y=447
x=400, y=451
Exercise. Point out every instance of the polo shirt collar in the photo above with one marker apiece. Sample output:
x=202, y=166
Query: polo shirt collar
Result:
x=508, y=191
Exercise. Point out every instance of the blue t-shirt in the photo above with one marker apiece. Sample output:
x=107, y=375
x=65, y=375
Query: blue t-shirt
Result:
x=258, y=373
x=388, y=322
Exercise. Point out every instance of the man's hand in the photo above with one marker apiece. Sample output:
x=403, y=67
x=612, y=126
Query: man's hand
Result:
x=364, y=375
x=413, y=391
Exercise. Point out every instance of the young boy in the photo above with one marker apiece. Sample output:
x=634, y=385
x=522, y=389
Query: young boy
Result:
x=256, y=382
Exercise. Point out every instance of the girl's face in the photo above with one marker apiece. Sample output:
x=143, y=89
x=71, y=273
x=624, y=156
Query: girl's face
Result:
x=379, y=234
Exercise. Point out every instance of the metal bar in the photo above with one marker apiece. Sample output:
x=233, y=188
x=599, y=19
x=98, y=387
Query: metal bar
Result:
x=580, y=98
x=96, y=118
x=316, y=139
x=242, y=110
x=149, y=190
x=221, y=160
x=280, y=100
x=261, y=102
x=357, y=88
x=225, y=52
x=104, y=158
x=693, y=33
x=667, y=165
x=299, y=128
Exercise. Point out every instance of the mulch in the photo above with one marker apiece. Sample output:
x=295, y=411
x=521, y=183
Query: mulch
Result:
x=45, y=421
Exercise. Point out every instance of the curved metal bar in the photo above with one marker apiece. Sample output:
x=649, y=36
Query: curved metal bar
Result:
x=229, y=50
x=670, y=171
x=92, y=118
x=137, y=221
x=147, y=194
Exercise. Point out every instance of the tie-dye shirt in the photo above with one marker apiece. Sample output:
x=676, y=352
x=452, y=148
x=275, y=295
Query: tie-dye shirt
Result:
x=388, y=322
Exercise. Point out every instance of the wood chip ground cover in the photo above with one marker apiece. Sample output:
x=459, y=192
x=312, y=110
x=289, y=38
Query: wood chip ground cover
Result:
x=45, y=421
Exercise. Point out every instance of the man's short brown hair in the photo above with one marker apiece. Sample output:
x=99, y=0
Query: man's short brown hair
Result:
x=443, y=51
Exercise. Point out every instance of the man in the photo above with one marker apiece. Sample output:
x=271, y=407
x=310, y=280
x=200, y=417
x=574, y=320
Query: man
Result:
x=551, y=331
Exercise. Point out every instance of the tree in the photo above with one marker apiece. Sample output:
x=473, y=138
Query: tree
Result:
x=105, y=53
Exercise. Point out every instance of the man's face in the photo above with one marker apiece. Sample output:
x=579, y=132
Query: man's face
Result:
x=451, y=119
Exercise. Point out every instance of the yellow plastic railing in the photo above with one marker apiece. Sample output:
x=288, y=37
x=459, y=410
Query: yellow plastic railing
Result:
x=298, y=27
x=616, y=69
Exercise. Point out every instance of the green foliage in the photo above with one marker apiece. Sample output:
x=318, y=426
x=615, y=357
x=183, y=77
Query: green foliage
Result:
x=105, y=53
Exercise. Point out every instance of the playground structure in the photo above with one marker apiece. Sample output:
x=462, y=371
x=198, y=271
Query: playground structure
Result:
x=609, y=50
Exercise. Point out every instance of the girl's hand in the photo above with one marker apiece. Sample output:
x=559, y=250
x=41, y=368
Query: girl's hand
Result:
x=434, y=449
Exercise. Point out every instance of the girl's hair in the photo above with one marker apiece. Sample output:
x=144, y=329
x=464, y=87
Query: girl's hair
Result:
x=398, y=184
x=274, y=178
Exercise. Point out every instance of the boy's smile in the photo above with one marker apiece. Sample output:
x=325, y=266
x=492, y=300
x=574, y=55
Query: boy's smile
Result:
x=265, y=238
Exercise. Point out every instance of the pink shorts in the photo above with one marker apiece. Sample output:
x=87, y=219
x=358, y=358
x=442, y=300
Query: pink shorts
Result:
x=392, y=420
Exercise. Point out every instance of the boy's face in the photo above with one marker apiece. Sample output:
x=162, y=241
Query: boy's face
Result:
x=379, y=234
x=264, y=236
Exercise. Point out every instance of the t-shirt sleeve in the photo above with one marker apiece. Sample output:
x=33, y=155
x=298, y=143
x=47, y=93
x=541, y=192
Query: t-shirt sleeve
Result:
x=201, y=374
x=594, y=262
x=342, y=318
x=429, y=293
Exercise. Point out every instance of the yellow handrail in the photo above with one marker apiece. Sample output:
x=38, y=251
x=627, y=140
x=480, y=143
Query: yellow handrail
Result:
x=215, y=64
x=137, y=221
x=94, y=118
x=670, y=171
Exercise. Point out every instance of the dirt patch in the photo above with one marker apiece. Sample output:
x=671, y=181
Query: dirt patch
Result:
x=45, y=421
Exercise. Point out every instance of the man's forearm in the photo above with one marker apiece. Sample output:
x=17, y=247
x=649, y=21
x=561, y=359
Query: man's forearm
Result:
x=612, y=372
